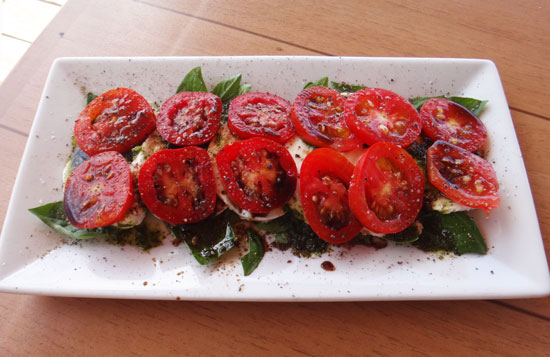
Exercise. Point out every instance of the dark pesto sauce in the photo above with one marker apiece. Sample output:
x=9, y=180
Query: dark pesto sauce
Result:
x=300, y=238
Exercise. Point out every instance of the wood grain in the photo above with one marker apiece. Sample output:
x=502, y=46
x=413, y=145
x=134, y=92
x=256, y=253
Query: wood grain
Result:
x=79, y=31
x=514, y=37
x=324, y=329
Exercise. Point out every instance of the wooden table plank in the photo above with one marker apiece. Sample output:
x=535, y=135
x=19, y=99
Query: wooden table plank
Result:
x=514, y=37
x=12, y=145
x=193, y=328
x=79, y=31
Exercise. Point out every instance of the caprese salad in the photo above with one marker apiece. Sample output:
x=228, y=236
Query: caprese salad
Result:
x=339, y=164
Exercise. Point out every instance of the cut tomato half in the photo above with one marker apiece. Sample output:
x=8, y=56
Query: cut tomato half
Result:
x=324, y=182
x=260, y=115
x=99, y=191
x=446, y=120
x=387, y=189
x=117, y=120
x=318, y=117
x=379, y=115
x=463, y=176
x=177, y=185
x=189, y=118
x=258, y=174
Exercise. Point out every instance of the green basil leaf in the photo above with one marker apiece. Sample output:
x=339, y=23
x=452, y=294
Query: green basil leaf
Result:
x=299, y=237
x=454, y=232
x=228, y=89
x=472, y=104
x=89, y=97
x=208, y=240
x=245, y=88
x=147, y=235
x=277, y=225
x=409, y=235
x=346, y=88
x=255, y=253
x=53, y=214
x=192, y=82
x=323, y=82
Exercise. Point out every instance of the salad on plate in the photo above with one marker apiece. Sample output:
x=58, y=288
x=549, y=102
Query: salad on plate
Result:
x=340, y=164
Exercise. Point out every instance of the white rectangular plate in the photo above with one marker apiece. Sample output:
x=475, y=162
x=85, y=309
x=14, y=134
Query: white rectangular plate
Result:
x=33, y=258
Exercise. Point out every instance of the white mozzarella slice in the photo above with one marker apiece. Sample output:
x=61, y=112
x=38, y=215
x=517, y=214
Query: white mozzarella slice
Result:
x=151, y=145
x=135, y=215
x=298, y=149
x=446, y=205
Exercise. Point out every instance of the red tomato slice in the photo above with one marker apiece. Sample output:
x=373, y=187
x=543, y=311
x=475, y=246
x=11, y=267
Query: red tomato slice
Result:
x=318, y=117
x=387, y=189
x=324, y=183
x=376, y=115
x=117, y=120
x=189, y=118
x=446, y=120
x=260, y=115
x=99, y=191
x=178, y=185
x=462, y=176
x=258, y=174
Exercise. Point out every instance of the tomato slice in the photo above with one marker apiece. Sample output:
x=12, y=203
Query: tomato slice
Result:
x=376, y=115
x=318, y=117
x=387, y=189
x=189, y=118
x=324, y=182
x=177, y=185
x=258, y=174
x=99, y=191
x=462, y=176
x=446, y=120
x=260, y=115
x=117, y=120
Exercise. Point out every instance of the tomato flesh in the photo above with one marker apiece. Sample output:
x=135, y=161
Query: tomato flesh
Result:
x=189, y=118
x=260, y=115
x=324, y=181
x=379, y=115
x=258, y=174
x=446, y=120
x=387, y=189
x=99, y=191
x=462, y=176
x=117, y=120
x=318, y=117
x=177, y=185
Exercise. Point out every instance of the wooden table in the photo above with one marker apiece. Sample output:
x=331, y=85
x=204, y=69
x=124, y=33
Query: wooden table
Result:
x=514, y=35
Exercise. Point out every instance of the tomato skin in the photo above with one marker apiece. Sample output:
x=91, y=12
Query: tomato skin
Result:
x=462, y=176
x=446, y=120
x=99, y=191
x=376, y=115
x=116, y=120
x=177, y=185
x=189, y=118
x=324, y=184
x=258, y=174
x=387, y=189
x=318, y=118
x=260, y=115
